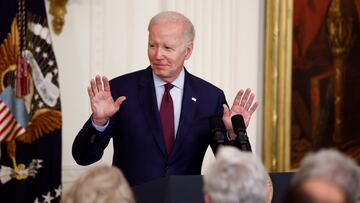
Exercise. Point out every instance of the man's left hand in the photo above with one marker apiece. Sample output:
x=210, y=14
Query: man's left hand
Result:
x=244, y=105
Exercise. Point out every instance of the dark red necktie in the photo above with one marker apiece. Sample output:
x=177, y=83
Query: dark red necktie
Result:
x=167, y=118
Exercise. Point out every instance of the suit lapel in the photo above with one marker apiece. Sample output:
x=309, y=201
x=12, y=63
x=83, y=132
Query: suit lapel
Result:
x=150, y=109
x=188, y=110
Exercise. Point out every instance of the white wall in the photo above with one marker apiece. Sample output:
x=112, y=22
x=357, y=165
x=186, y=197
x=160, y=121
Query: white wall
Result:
x=110, y=37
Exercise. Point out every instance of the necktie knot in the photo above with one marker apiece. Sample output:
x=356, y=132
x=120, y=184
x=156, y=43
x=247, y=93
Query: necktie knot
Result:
x=168, y=87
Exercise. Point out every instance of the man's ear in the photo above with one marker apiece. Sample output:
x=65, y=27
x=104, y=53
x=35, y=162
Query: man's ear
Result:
x=188, y=51
x=207, y=198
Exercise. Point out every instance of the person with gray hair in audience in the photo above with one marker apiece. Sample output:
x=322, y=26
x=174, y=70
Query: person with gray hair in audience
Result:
x=328, y=176
x=236, y=176
x=103, y=184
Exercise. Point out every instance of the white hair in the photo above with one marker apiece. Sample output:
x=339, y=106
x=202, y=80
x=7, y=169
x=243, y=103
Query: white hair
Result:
x=172, y=16
x=235, y=177
x=104, y=184
x=334, y=167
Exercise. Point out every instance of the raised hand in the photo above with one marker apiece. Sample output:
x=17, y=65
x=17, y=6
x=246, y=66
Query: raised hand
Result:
x=103, y=105
x=243, y=105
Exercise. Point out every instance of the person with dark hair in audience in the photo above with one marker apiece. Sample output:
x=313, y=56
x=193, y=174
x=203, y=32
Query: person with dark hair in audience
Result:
x=236, y=176
x=102, y=184
x=326, y=176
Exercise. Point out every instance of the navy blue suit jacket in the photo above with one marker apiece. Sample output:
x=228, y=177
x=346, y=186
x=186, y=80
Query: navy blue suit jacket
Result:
x=139, y=149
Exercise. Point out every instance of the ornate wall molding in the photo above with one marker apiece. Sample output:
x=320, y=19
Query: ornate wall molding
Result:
x=58, y=11
x=277, y=85
x=97, y=29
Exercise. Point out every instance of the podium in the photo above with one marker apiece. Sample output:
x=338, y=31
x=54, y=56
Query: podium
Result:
x=171, y=189
x=280, y=182
x=180, y=189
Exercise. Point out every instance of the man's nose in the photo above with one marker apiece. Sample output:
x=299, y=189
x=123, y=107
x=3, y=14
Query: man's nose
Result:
x=158, y=53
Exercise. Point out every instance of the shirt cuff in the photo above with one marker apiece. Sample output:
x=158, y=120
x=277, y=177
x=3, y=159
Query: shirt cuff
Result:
x=100, y=128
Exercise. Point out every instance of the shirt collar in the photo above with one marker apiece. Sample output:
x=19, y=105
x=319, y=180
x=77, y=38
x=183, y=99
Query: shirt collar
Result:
x=178, y=82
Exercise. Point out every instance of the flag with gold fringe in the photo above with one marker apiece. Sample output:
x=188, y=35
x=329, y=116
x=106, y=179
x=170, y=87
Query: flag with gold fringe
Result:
x=30, y=111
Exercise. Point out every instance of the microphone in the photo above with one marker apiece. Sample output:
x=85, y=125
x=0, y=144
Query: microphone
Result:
x=218, y=131
x=240, y=130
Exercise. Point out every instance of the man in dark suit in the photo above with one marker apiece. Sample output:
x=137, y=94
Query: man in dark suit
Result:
x=156, y=136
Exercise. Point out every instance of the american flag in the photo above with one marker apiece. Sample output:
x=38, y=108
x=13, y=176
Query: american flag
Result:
x=30, y=124
x=9, y=127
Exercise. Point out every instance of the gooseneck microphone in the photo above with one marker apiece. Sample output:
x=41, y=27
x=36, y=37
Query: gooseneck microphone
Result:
x=240, y=130
x=218, y=131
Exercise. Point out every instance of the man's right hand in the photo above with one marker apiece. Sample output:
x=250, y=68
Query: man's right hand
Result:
x=103, y=105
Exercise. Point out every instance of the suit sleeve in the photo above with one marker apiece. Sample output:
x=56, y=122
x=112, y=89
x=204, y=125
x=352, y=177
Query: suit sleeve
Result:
x=89, y=144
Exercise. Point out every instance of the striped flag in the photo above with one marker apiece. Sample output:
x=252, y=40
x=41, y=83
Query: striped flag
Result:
x=30, y=108
x=9, y=127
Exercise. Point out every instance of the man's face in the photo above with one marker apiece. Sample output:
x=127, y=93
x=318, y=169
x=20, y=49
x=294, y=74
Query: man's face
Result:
x=167, y=49
x=323, y=192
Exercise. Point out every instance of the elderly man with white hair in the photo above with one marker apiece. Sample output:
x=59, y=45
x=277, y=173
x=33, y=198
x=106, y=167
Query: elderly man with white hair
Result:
x=236, y=176
x=328, y=176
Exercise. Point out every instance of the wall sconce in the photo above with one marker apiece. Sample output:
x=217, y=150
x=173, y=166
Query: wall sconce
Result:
x=58, y=11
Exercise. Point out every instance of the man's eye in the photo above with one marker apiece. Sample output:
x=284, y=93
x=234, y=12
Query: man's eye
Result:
x=151, y=45
x=168, y=48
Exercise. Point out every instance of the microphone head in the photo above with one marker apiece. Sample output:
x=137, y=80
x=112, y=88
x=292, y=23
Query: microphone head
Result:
x=238, y=123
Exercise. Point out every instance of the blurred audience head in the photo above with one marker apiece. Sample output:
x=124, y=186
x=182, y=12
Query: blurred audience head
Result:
x=328, y=176
x=295, y=194
x=103, y=184
x=235, y=177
